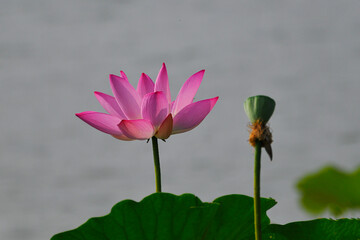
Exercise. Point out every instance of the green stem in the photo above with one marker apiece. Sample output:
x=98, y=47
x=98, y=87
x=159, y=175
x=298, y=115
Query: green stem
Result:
x=257, y=210
x=155, y=147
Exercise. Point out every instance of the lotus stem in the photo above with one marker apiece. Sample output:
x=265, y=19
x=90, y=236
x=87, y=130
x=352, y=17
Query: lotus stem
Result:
x=259, y=110
x=155, y=147
x=257, y=205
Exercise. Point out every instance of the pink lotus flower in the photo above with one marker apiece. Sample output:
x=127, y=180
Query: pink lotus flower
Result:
x=148, y=111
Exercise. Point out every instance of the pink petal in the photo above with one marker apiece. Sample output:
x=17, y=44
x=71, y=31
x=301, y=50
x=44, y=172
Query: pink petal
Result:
x=122, y=137
x=145, y=85
x=172, y=104
x=109, y=104
x=123, y=75
x=162, y=83
x=102, y=122
x=155, y=108
x=126, y=96
x=188, y=91
x=139, y=129
x=192, y=115
x=165, y=128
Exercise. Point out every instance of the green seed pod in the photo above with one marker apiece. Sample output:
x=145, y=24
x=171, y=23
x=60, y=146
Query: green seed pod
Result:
x=259, y=108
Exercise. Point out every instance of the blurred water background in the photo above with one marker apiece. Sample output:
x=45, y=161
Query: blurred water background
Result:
x=56, y=171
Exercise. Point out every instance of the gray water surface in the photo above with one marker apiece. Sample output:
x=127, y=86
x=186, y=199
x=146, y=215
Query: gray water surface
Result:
x=56, y=171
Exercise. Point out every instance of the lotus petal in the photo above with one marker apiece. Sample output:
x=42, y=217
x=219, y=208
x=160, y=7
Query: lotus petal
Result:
x=188, y=91
x=155, y=108
x=123, y=75
x=101, y=121
x=145, y=85
x=110, y=104
x=139, y=129
x=162, y=83
x=192, y=115
x=165, y=128
x=126, y=96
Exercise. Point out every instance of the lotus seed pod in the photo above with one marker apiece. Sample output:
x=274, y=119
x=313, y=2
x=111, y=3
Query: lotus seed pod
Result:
x=259, y=108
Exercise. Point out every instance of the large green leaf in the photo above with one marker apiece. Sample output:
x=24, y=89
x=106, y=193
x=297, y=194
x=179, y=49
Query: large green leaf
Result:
x=319, y=229
x=330, y=188
x=166, y=216
x=235, y=217
x=158, y=216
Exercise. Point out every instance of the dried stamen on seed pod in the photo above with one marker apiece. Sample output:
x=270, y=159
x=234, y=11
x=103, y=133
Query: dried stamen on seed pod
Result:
x=259, y=132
